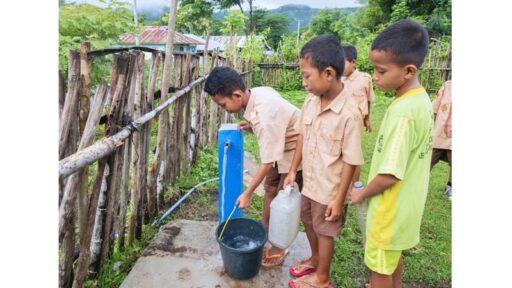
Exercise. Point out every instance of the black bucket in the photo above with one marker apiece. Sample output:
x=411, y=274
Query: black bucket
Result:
x=242, y=247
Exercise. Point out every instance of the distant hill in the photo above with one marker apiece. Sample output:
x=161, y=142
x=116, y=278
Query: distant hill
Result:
x=293, y=12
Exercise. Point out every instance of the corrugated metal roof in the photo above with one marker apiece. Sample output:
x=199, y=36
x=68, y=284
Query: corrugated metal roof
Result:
x=158, y=35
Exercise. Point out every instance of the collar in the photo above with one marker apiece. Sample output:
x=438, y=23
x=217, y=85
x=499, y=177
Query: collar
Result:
x=410, y=92
x=336, y=104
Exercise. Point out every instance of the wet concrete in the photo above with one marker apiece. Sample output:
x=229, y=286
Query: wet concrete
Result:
x=185, y=254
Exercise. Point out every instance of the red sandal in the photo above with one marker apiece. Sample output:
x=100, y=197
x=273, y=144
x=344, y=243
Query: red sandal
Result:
x=299, y=269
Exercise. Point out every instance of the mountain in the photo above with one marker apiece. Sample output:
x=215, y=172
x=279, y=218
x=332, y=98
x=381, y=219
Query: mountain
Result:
x=293, y=12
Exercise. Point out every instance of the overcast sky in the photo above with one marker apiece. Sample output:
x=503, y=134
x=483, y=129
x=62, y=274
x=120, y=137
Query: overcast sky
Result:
x=268, y=4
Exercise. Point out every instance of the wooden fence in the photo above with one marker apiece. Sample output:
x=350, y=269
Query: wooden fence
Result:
x=93, y=220
x=435, y=71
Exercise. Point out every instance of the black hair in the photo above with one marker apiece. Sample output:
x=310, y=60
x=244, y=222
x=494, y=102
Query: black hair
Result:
x=324, y=51
x=406, y=40
x=350, y=52
x=223, y=81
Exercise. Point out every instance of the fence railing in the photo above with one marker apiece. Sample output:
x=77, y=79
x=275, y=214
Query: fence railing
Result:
x=96, y=218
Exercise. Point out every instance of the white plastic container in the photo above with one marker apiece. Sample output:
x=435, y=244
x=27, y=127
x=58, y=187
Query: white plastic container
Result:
x=284, y=217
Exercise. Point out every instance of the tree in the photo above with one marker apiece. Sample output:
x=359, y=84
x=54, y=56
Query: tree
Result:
x=101, y=26
x=233, y=23
x=226, y=4
x=278, y=25
x=194, y=16
x=321, y=23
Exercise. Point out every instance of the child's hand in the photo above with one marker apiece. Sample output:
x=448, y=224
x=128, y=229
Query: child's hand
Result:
x=334, y=211
x=243, y=201
x=355, y=196
x=367, y=124
x=245, y=126
x=448, y=130
x=289, y=179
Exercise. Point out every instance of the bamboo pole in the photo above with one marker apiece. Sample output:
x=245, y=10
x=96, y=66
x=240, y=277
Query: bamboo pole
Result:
x=71, y=100
x=163, y=120
x=70, y=192
x=104, y=147
x=99, y=215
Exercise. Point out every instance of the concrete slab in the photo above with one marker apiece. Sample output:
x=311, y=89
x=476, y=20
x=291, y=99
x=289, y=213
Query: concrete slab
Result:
x=185, y=254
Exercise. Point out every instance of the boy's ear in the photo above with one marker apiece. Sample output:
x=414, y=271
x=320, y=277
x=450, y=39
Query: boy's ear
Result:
x=237, y=94
x=411, y=71
x=330, y=73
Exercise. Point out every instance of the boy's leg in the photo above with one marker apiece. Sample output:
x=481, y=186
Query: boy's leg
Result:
x=381, y=280
x=397, y=275
x=325, y=231
x=436, y=156
x=307, y=220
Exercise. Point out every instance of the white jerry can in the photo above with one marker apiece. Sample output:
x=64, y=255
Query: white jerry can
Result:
x=284, y=217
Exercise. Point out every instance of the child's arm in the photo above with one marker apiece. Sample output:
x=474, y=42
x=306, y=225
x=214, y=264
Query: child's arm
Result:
x=366, y=121
x=448, y=124
x=244, y=200
x=335, y=207
x=380, y=183
x=297, y=159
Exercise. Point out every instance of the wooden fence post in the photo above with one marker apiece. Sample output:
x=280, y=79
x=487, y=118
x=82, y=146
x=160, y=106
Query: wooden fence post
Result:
x=68, y=112
x=151, y=193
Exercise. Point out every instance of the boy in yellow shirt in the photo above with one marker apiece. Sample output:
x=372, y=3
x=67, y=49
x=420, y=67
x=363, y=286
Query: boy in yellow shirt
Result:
x=399, y=173
x=329, y=147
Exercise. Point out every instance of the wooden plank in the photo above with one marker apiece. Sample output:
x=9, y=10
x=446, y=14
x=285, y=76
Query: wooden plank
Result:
x=85, y=241
x=68, y=112
x=151, y=194
x=62, y=93
x=114, y=161
x=70, y=192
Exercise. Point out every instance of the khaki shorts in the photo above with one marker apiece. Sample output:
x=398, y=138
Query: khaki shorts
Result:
x=274, y=180
x=313, y=216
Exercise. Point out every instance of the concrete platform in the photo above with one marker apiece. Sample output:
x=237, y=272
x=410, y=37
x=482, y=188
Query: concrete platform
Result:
x=185, y=254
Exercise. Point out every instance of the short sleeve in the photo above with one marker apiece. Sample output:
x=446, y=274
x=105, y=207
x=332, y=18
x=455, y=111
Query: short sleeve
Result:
x=437, y=101
x=396, y=146
x=271, y=140
x=351, y=147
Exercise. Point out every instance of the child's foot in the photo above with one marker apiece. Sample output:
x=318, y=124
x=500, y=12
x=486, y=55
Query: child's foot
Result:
x=309, y=281
x=304, y=267
x=273, y=257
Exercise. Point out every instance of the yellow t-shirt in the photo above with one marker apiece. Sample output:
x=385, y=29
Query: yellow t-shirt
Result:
x=403, y=149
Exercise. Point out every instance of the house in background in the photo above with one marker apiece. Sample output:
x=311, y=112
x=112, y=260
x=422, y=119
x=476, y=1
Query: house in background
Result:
x=223, y=43
x=156, y=37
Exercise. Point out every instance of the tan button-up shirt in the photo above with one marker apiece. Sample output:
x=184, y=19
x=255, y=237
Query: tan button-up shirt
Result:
x=442, y=107
x=359, y=85
x=274, y=122
x=331, y=137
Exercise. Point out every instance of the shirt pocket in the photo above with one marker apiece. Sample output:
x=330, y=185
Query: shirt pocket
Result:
x=331, y=142
x=308, y=125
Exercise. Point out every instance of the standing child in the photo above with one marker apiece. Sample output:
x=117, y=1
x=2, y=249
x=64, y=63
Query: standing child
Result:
x=443, y=131
x=272, y=119
x=399, y=173
x=359, y=84
x=329, y=147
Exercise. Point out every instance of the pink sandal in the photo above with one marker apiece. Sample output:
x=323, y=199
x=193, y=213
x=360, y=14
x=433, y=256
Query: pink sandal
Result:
x=299, y=269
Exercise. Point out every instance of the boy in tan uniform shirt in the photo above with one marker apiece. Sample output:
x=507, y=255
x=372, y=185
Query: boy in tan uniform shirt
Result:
x=274, y=122
x=329, y=147
x=442, y=106
x=359, y=85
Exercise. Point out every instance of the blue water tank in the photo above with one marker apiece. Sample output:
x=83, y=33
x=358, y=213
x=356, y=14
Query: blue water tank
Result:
x=230, y=143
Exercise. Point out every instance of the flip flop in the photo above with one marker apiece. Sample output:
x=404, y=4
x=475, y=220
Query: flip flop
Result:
x=298, y=265
x=267, y=256
x=292, y=283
